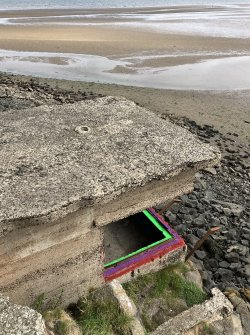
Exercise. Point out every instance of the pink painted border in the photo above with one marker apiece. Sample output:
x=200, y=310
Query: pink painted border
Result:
x=148, y=256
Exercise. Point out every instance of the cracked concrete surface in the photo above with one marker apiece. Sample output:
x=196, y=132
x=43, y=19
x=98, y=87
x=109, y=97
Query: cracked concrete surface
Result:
x=47, y=164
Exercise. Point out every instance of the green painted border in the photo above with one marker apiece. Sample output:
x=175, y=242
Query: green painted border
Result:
x=157, y=224
x=167, y=236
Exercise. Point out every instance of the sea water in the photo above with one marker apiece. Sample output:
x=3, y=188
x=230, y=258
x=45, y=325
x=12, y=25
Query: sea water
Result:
x=25, y=4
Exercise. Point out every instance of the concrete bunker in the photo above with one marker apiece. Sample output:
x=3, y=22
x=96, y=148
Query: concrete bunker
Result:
x=68, y=175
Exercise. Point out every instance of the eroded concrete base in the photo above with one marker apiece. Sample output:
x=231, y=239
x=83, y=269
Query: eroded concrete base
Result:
x=61, y=263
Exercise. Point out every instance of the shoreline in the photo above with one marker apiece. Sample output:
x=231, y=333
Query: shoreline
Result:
x=226, y=111
x=106, y=9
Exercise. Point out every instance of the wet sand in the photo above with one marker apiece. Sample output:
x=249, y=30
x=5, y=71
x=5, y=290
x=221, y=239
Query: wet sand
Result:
x=98, y=32
x=110, y=41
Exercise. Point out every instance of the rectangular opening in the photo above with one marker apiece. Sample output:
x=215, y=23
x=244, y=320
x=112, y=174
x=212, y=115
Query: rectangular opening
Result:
x=133, y=235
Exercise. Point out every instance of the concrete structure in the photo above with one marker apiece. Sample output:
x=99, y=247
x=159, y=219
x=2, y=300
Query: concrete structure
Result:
x=19, y=320
x=66, y=172
x=217, y=308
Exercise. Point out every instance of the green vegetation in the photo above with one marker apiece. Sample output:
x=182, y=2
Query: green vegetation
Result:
x=43, y=303
x=207, y=329
x=101, y=316
x=60, y=322
x=159, y=296
x=38, y=304
x=55, y=314
x=166, y=291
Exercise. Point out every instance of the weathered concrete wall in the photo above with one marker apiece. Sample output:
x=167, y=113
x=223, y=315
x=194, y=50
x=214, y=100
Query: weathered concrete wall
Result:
x=50, y=258
x=136, y=200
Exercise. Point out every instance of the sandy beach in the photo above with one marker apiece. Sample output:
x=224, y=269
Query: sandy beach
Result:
x=183, y=47
x=113, y=33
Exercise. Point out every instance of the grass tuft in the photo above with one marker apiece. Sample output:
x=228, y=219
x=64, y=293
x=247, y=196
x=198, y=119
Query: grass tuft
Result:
x=101, y=317
x=168, y=279
x=169, y=287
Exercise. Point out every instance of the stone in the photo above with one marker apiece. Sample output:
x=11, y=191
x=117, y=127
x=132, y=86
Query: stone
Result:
x=245, y=242
x=171, y=217
x=230, y=208
x=127, y=306
x=235, y=266
x=224, y=274
x=245, y=293
x=212, y=171
x=224, y=264
x=223, y=220
x=242, y=308
x=184, y=210
x=192, y=203
x=180, y=228
x=192, y=239
x=216, y=308
x=200, y=180
x=215, y=222
x=193, y=213
x=15, y=319
x=247, y=270
x=232, y=257
x=230, y=325
x=209, y=283
x=241, y=249
x=199, y=223
x=213, y=263
x=246, y=236
x=246, y=259
x=187, y=218
x=200, y=254
x=232, y=233
x=200, y=232
x=195, y=277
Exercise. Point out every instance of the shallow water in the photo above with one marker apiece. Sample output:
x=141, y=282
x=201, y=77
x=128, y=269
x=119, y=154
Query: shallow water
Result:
x=229, y=20
x=24, y=4
x=229, y=73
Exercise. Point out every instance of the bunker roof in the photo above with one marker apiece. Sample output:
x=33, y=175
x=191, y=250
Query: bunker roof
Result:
x=55, y=156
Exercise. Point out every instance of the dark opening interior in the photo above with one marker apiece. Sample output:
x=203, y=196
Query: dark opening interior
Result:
x=126, y=236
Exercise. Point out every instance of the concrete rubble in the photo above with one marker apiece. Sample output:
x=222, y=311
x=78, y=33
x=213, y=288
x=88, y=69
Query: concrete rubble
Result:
x=217, y=310
x=19, y=320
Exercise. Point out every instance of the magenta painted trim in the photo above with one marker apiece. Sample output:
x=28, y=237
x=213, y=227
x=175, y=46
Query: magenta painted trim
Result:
x=138, y=258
